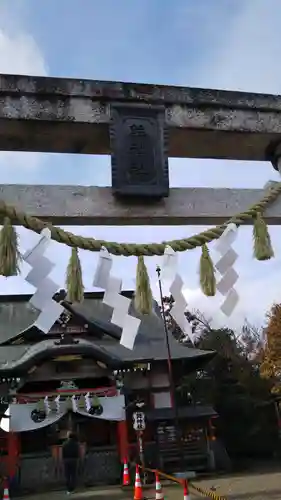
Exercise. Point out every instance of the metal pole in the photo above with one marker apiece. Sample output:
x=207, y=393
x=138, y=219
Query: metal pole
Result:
x=141, y=454
x=170, y=372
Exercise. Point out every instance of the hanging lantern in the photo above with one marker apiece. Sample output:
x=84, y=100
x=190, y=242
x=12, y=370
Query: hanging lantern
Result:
x=52, y=404
x=68, y=404
x=139, y=421
x=80, y=402
x=119, y=381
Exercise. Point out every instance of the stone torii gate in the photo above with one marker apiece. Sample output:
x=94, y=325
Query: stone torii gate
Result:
x=140, y=126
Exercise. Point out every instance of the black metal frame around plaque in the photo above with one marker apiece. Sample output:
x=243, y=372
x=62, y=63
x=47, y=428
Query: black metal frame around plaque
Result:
x=139, y=160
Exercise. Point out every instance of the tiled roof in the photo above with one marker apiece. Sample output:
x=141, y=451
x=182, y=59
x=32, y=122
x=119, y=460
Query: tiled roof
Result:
x=16, y=316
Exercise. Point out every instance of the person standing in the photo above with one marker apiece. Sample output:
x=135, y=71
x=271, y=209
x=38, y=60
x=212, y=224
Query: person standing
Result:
x=70, y=456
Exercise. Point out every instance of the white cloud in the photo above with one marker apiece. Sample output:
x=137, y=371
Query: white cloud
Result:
x=241, y=44
x=244, y=56
x=20, y=55
x=256, y=297
x=258, y=285
x=248, y=54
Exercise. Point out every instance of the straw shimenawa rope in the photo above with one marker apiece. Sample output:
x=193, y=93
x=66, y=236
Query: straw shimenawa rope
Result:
x=137, y=249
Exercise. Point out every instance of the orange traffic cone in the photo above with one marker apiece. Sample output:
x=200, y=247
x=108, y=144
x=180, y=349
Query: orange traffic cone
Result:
x=126, y=476
x=138, y=487
x=185, y=491
x=159, y=492
x=6, y=495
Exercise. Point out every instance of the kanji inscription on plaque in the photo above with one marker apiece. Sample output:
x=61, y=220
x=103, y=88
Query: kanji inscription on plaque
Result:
x=138, y=151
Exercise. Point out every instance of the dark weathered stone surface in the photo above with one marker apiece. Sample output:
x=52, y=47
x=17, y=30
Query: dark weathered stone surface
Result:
x=78, y=205
x=139, y=162
x=67, y=115
x=109, y=90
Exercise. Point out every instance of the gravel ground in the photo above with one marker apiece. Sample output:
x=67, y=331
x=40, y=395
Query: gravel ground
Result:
x=261, y=485
x=254, y=486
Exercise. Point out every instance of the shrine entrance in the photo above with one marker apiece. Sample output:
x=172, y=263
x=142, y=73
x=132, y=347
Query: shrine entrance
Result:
x=41, y=466
x=60, y=396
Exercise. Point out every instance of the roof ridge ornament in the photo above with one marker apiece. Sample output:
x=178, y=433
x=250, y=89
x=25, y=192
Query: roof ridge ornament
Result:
x=68, y=384
x=66, y=339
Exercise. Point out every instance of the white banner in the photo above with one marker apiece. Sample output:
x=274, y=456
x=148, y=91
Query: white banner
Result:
x=113, y=409
x=20, y=414
x=20, y=418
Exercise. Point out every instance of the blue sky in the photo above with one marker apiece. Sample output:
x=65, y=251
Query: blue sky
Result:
x=229, y=44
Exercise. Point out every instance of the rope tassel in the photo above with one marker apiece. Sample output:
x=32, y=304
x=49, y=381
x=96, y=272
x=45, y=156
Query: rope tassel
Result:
x=262, y=243
x=74, y=279
x=10, y=256
x=207, y=273
x=143, y=296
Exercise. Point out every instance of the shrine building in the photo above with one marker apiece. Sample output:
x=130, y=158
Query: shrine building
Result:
x=78, y=377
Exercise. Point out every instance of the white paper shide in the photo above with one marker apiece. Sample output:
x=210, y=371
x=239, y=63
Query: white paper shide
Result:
x=38, y=277
x=112, y=287
x=224, y=266
x=171, y=276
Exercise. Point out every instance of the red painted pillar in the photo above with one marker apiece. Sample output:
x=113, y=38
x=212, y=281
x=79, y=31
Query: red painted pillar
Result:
x=123, y=440
x=212, y=434
x=13, y=453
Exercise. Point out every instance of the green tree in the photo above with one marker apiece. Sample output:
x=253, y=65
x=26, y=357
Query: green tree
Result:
x=232, y=383
x=241, y=397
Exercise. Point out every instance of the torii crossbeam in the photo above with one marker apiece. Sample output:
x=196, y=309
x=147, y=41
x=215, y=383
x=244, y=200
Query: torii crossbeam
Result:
x=75, y=116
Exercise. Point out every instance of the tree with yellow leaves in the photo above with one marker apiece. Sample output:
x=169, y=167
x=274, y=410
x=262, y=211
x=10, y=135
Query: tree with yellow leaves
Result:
x=270, y=367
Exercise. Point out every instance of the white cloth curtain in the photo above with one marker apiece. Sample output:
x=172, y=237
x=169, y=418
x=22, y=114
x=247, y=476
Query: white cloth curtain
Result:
x=20, y=418
x=113, y=409
x=20, y=414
